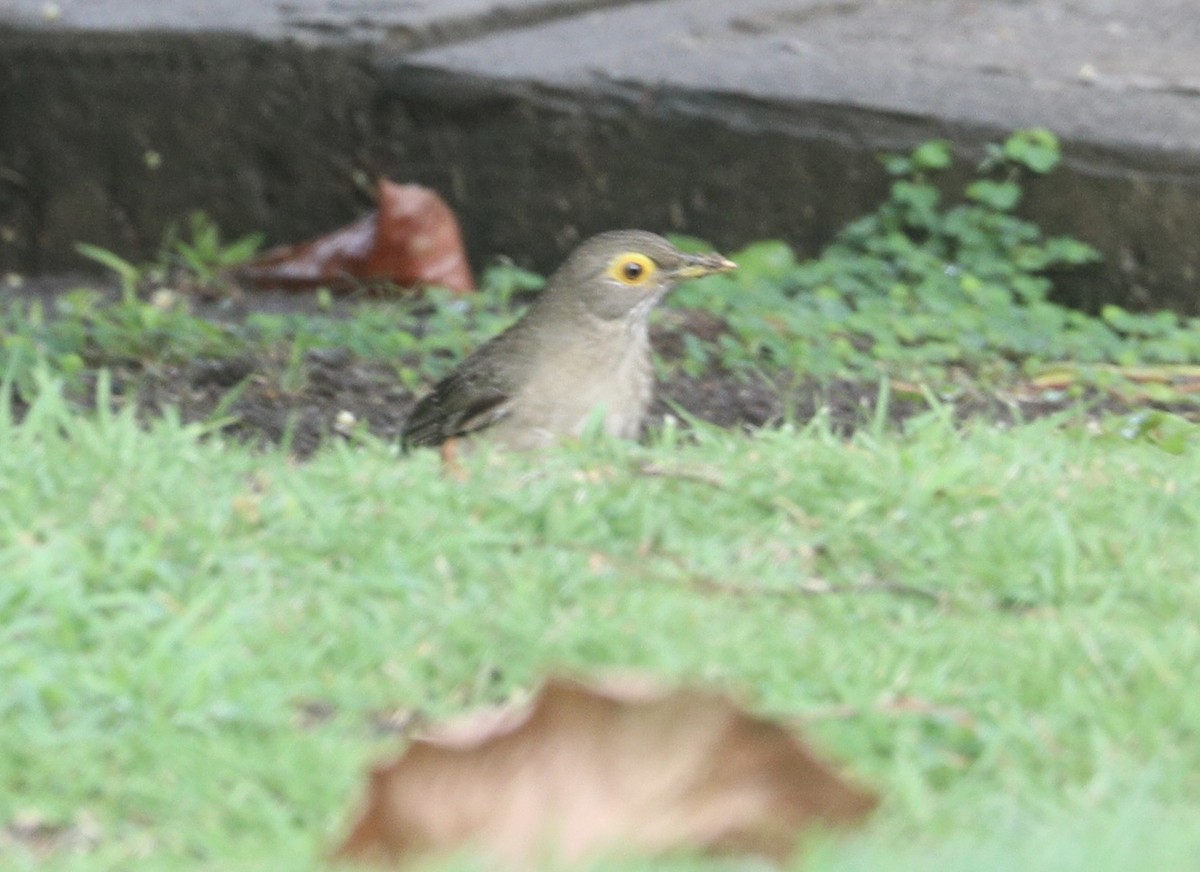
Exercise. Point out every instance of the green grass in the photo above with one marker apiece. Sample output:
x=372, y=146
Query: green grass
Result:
x=995, y=627
x=171, y=603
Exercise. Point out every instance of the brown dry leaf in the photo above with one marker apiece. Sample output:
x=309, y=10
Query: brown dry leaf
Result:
x=627, y=767
x=412, y=239
x=1180, y=378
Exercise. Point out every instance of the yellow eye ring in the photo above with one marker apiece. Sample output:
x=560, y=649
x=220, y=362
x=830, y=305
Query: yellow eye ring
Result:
x=632, y=268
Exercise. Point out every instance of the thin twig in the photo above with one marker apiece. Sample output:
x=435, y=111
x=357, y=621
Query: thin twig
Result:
x=820, y=587
x=706, y=583
x=709, y=477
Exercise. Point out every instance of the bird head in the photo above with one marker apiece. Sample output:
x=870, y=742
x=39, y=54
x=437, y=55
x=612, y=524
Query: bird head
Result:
x=620, y=275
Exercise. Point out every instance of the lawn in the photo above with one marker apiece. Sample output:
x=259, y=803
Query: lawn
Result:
x=205, y=644
x=948, y=528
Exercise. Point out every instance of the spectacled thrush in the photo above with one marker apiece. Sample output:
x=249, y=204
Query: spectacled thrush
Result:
x=580, y=353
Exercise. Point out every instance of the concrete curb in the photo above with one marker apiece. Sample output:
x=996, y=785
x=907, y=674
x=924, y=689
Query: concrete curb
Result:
x=670, y=115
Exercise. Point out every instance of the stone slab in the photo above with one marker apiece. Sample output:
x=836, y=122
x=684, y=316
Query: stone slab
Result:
x=1109, y=73
x=398, y=23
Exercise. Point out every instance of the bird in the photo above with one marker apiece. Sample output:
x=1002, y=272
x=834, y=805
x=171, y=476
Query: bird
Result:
x=580, y=353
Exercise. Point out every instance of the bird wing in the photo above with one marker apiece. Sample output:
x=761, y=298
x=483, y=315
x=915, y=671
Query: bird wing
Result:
x=461, y=403
x=474, y=396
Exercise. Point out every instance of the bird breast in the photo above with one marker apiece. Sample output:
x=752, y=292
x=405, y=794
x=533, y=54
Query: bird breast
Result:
x=604, y=374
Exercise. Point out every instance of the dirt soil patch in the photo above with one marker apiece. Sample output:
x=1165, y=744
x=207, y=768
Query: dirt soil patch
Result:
x=332, y=393
x=266, y=400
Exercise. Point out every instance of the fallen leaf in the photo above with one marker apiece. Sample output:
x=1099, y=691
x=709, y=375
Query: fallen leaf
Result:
x=1131, y=382
x=628, y=767
x=44, y=837
x=412, y=239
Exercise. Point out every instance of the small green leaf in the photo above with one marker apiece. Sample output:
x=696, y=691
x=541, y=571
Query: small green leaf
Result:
x=896, y=165
x=1001, y=196
x=771, y=258
x=932, y=155
x=129, y=275
x=1036, y=149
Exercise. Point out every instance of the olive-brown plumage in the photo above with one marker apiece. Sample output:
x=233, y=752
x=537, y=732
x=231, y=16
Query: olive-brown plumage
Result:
x=581, y=353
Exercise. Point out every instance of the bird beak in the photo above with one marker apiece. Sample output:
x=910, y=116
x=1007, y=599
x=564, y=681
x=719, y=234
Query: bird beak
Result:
x=696, y=265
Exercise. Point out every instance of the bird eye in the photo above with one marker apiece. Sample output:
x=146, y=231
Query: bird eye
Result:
x=632, y=268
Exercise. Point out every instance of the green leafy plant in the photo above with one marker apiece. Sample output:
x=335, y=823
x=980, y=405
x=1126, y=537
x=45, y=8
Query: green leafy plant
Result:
x=200, y=257
x=85, y=330
x=927, y=282
x=130, y=276
x=203, y=254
